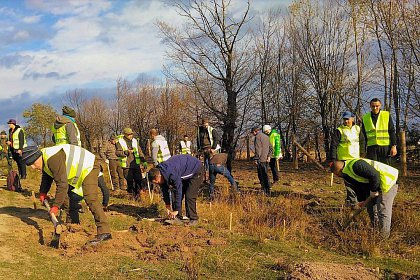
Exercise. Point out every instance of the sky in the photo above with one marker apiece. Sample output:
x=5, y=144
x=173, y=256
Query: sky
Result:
x=49, y=47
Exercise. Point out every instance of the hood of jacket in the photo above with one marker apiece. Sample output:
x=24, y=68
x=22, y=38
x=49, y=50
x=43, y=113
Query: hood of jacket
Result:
x=160, y=138
x=61, y=121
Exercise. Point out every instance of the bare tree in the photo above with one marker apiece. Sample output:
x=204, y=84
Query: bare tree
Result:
x=322, y=31
x=210, y=54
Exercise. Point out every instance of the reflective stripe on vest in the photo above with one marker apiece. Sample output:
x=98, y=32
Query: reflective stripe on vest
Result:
x=388, y=174
x=377, y=134
x=123, y=160
x=185, y=147
x=79, y=163
x=163, y=152
x=61, y=137
x=15, y=138
x=348, y=148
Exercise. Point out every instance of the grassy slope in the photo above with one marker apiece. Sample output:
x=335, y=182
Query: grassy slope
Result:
x=240, y=254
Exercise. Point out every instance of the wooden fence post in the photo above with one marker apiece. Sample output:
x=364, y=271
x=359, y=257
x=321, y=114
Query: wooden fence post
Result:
x=403, y=153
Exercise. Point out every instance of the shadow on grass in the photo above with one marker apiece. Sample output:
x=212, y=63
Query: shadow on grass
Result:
x=136, y=211
x=25, y=214
x=24, y=192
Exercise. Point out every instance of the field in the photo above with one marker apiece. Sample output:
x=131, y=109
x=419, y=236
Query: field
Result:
x=294, y=234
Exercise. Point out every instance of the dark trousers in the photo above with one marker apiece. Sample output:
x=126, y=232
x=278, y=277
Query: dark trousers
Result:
x=190, y=189
x=20, y=164
x=72, y=206
x=133, y=177
x=262, y=168
x=379, y=153
x=273, y=167
x=104, y=190
x=90, y=194
x=117, y=175
x=215, y=169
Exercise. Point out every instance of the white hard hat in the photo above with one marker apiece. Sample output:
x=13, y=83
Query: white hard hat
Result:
x=266, y=127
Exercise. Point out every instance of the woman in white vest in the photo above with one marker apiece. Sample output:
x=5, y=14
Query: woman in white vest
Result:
x=160, y=149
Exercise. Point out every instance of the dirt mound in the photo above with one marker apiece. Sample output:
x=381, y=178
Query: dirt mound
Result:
x=319, y=271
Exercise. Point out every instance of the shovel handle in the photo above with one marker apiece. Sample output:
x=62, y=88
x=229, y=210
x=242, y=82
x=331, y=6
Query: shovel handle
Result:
x=356, y=213
x=54, y=219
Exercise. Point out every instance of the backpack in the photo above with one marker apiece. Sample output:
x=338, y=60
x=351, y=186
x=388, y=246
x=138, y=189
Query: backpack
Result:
x=13, y=181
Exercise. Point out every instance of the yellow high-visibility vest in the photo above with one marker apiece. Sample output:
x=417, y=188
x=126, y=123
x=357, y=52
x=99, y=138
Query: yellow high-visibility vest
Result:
x=123, y=160
x=377, y=134
x=185, y=147
x=61, y=137
x=79, y=163
x=388, y=174
x=15, y=138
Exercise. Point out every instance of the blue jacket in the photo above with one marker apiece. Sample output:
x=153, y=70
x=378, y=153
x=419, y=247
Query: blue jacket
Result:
x=174, y=171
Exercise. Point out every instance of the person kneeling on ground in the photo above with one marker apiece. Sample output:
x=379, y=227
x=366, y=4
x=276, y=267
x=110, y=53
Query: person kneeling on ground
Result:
x=183, y=174
x=217, y=166
x=73, y=167
x=375, y=179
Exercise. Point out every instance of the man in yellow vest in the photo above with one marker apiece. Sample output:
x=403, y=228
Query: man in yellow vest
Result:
x=65, y=130
x=71, y=167
x=160, y=148
x=184, y=147
x=16, y=142
x=375, y=179
x=345, y=144
x=131, y=156
x=379, y=132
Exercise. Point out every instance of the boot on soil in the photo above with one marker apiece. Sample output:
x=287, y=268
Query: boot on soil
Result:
x=175, y=222
x=100, y=238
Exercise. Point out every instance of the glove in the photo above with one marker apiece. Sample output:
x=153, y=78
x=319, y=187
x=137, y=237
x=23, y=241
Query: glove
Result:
x=42, y=197
x=374, y=194
x=145, y=165
x=54, y=210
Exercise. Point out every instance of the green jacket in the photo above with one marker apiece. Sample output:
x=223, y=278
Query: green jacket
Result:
x=276, y=143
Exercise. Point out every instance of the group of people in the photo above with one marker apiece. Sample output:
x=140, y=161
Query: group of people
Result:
x=77, y=171
x=368, y=173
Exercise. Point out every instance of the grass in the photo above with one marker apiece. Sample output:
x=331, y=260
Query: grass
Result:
x=269, y=235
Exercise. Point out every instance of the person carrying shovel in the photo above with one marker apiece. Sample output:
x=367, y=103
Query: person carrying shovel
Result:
x=70, y=166
x=374, y=182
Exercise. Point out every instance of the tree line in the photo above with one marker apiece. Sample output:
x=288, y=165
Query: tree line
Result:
x=295, y=69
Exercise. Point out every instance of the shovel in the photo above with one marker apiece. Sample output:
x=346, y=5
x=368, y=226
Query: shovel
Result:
x=58, y=228
x=361, y=207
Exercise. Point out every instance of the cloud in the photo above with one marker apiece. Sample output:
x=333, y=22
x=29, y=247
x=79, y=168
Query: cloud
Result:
x=31, y=19
x=10, y=61
x=68, y=7
x=50, y=75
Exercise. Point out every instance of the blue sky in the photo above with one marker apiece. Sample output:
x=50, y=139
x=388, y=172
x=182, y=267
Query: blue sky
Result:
x=48, y=47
